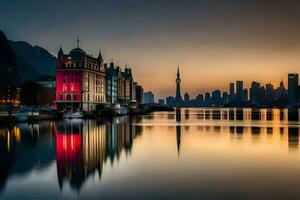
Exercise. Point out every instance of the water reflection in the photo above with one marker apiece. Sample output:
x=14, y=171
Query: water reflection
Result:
x=178, y=129
x=23, y=148
x=85, y=150
x=245, y=114
x=80, y=147
x=293, y=137
x=78, y=154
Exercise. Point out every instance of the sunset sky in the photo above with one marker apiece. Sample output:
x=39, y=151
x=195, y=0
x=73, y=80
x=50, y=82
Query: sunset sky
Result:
x=213, y=41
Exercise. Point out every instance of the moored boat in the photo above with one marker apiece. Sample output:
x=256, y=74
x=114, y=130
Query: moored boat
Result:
x=24, y=114
x=73, y=115
x=119, y=110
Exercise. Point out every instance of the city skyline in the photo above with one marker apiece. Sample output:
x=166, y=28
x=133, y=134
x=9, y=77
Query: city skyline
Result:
x=237, y=95
x=222, y=40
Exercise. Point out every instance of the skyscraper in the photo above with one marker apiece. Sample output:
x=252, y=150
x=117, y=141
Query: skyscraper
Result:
x=224, y=98
x=170, y=101
x=239, y=91
x=293, y=87
x=270, y=93
x=216, y=97
x=281, y=92
x=161, y=101
x=207, y=99
x=186, y=97
x=231, y=92
x=178, y=98
x=254, y=92
x=148, y=97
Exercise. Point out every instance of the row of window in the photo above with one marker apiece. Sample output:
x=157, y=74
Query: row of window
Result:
x=70, y=97
x=71, y=81
x=81, y=65
x=87, y=97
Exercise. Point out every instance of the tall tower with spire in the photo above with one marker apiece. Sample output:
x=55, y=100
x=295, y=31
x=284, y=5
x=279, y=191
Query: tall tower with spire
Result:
x=178, y=98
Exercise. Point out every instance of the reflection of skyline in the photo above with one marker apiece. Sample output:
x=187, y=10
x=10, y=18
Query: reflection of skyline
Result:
x=84, y=147
x=120, y=135
x=240, y=115
x=24, y=148
x=80, y=149
x=178, y=129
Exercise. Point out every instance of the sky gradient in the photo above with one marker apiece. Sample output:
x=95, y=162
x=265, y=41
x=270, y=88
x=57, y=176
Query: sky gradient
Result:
x=213, y=41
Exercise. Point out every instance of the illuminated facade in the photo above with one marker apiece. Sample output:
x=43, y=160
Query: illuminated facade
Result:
x=120, y=87
x=80, y=81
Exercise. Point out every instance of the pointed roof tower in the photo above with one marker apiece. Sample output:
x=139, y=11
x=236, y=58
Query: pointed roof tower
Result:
x=60, y=52
x=281, y=83
x=100, y=58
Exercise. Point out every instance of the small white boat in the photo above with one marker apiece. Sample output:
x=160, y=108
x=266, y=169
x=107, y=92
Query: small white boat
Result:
x=118, y=110
x=24, y=114
x=73, y=115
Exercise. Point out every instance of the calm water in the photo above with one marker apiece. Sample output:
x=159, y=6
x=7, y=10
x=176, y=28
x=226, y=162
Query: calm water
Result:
x=187, y=154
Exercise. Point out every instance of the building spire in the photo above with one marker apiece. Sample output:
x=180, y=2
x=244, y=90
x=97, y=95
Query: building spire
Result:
x=60, y=54
x=100, y=55
x=78, y=41
x=281, y=83
x=178, y=98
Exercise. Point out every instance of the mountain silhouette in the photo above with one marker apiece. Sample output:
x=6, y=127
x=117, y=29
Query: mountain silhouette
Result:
x=39, y=58
x=21, y=62
x=8, y=64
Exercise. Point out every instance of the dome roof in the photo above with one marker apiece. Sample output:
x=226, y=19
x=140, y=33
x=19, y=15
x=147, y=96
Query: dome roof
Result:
x=77, y=54
x=77, y=50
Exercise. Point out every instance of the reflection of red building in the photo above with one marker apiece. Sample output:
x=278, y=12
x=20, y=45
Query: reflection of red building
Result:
x=80, y=80
x=68, y=153
x=68, y=148
x=80, y=150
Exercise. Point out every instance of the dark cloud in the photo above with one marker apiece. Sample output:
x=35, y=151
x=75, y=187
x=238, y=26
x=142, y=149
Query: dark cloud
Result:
x=236, y=22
